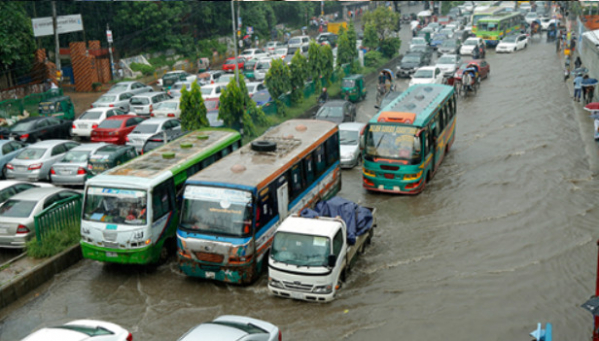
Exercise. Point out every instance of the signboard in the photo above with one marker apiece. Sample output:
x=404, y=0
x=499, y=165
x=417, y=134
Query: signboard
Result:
x=109, y=36
x=64, y=24
x=250, y=30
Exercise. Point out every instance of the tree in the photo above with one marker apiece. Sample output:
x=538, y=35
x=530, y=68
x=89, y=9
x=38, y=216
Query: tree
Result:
x=370, y=38
x=353, y=39
x=238, y=110
x=16, y=39
x=278, y=82
x=298, y=75
x=326, y=63
x=193, y=110
x=384, y=21
x=344, y=49
x=390, y=47
x=313, y=60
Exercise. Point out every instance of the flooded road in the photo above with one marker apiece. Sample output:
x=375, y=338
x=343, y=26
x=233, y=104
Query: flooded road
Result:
x=502, y=238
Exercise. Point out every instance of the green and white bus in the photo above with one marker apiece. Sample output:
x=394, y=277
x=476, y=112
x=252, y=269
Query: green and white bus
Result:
x=493, y=29
x=484, y=13
x=130, y=213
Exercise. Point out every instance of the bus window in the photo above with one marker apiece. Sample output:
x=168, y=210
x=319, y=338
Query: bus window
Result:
x=309, y=169
x=319, y=158
x=163, y=198
x=297, y=180
x=236, y=145
x=332, y=148
x=427, y=145
x=441, y=118
x=208, y=161
x=266, y=208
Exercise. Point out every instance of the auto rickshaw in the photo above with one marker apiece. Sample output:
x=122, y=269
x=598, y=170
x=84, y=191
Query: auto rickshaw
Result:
x=61, y=107
x=203, y=64
x=352, y=88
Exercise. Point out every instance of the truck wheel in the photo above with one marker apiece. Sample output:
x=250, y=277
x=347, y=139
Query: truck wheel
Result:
x=343, y=276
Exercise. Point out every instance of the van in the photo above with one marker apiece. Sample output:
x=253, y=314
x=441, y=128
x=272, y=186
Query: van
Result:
x=143, y=104
x=299, y=41
x=303, y=50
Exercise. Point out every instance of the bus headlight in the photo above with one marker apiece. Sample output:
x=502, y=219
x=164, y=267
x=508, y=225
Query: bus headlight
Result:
x=324, y=289
x=409, y=177
x=369, y=173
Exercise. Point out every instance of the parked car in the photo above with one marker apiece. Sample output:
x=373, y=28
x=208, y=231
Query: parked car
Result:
x=437, y=40
x=449, y=63
x=113, y=100
x=8, y=150
x=427, y=75
x=288, y=58
x=130, y=86
x=250, y=54
x=229, y=65
x=170, y=108
x=418, y=41
x=280, y=53
x=273, y=45
x=71, y=170
x=262, y=97
x=147, y=128
x=449, y=46
x=327, y=38
x=33, y=163
x=172, y=77
x=108, y=157
x=225, y=79
x=210, y=77
x=337, y=111
x=254, y=87
x=349, y=141
x=248, y=69
x=512, y=43
x=410, y=62
x=33, y=129
x=299, y=41
x=213, y=90
x=233, y=328
x=175, y=91
x=89, y=120
x=471, y=45
x=303, y=50
x=143, y=104
x=262, y=68
x=82, y=330
x=8, y=188
x=115, y=129
x=158, y=139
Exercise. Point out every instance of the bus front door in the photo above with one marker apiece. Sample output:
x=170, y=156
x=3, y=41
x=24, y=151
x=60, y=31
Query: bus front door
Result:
x=283, y=200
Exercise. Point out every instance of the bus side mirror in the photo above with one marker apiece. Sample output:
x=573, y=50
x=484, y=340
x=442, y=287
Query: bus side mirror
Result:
x=332, y=261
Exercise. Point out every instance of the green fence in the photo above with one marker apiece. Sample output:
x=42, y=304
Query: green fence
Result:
x=61, y=215
x=15, y=107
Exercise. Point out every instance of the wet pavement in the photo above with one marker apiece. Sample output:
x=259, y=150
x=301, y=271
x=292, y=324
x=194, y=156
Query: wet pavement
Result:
x=502, y=238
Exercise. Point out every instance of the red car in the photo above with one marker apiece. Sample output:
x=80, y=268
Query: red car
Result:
x=229, y=65
x=483, y=67
x=115, y=129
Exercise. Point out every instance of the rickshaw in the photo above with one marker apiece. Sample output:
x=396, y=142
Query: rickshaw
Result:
x=463, y=89
x=382, y=88
x=551, y=32
x=61, y=107
x=535, y=28
x=203, y=64
x=352, y=88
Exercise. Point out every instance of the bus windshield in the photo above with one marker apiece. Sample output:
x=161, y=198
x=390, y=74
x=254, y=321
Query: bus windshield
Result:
x=217, y=211
x=301, y=250
x=115, y=205
x=393, y=142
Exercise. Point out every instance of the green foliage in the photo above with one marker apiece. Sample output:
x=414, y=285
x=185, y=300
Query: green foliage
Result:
x=193, y=110
x=447, y=5
x=16, y=37
x=326, y=63
x=344, y=49
x=238, y=110
x=159, y=61
x=54, y=242
x=384, y=21
x=278, y=82
x=371, y=39
x=313, y=60
x=353, y=39
x=390, y=47
x=298, y=75
x=373, y=58
x=145, y=69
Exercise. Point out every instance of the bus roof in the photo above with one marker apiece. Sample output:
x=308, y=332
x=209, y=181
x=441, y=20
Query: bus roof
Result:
x=489, y=10
x=294, y=138
x=154, y=163
x=415, y=104
x=500, y=16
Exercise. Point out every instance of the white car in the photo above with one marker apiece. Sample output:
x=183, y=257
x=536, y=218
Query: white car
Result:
x=133, y=87
x=144, y=130
x=545, y=22
x=469, y=45
x=417, y=41
x=170, y=108
x=449, y=63
x=262, y=68
x=279, y=53
x=233, y=328
x=82, y=330
x=512, y=43
x=114, y=100
x=530, y=17
x=83, y=126
x=427, y=75
x=249, y=54
x=212, y=90
x=254, y=87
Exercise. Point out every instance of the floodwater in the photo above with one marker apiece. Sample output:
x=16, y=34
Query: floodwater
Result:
x=502, y=238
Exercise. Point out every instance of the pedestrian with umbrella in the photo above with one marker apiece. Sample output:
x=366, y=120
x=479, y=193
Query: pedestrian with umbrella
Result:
x=593, y=108
x=588, y=86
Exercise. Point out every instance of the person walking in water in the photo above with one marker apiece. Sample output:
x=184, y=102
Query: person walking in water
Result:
x=577, y=62
x=577, y=87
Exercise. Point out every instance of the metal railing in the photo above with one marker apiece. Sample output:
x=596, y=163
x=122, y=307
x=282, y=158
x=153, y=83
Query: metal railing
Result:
x=61, y=215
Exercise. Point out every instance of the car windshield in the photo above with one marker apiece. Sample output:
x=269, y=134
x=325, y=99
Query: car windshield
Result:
x=439, y=37
x=348, y=83
x=247, y=53
x=348, y=137
x=301, y=249
x=206, y=90
x=115, y=205
x=118, y=88
x=446, y=60
x=470, y=42
x=294, y=41
x=218, y=211
x=91, y=115
x=211, y=105
x=23, y=126
x=17, y=208
x=449, y=43
x=423, y=74
x=418, y=41
x=249, y=66
x=110, y=124
x=332, y=111
x=263, y=65
x=510, y=39
x=232, y=61
x=139, y=101
x=411, y=59
x=106, y=99
x=225, y=78
x=145, y=129
x=75, y=156
x=281, y=51
x=261, y=97
x=31, y=154
x=393, y=142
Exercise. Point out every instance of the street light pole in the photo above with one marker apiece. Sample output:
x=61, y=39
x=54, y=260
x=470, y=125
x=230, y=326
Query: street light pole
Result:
x=56, y=41
x=235, y=42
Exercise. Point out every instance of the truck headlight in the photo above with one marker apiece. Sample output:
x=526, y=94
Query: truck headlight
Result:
x=324, y=289
x=275, y=283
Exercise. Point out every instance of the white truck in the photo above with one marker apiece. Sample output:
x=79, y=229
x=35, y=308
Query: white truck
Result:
x=311, y=256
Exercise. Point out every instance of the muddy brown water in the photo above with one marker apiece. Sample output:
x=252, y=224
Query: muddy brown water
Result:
x=502, y=238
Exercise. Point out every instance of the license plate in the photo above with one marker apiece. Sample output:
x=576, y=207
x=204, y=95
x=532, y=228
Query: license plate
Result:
x=67, y=172
x=111, y=254
x=139, y=109
x=210, y=274
x=3, y=231
x=297, y=295
x=98, y=168
x=82, y=126
x=12, y=138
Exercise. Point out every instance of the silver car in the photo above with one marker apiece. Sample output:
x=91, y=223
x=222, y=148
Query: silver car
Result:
x=34, y=162
x=177, y=88
x=114, y=100
x=349, y=141
x=234, y=328
x=143, y=104
x=131, y=86
x=72, y=168
x=8, y=188
x=8, y=150
x=17, y=213
x=147, y=128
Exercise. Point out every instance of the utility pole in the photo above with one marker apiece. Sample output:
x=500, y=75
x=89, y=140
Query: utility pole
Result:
x=109, y=39
x=235, y=42
x=57, y=47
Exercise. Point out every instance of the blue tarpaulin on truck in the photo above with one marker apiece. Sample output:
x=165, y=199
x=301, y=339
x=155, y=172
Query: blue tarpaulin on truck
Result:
x=358, y=219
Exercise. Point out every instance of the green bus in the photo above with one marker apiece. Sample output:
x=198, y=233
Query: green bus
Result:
x=131, y=212
x=406, y=141
x=493, y=29
x=483, y=13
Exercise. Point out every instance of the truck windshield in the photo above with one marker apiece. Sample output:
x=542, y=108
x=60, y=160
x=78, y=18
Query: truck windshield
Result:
x=300, y=250
x=218, y=211
x=393, y=142
x=115, y=205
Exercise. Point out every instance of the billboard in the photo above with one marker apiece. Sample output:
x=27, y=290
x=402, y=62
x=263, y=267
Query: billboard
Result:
x=64, y=24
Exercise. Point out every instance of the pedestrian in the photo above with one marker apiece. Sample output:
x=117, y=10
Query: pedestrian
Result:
x=572, y=44
x=557, y=45
x=577, y=62
x=577, y=87
x=566, y=74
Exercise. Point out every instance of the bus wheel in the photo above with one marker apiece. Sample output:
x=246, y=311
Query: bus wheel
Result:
x=447, y=148
x=168, y=249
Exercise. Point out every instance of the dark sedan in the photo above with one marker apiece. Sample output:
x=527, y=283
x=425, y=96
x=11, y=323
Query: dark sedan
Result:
x=410, y=62
x=427, y=50
x=337, y=112
x=34, y=129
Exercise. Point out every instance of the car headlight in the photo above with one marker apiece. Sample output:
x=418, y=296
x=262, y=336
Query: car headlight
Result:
x=323, y=289
x=275, y=283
